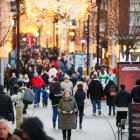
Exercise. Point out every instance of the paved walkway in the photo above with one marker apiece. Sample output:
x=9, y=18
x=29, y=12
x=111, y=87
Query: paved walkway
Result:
x=94, y=127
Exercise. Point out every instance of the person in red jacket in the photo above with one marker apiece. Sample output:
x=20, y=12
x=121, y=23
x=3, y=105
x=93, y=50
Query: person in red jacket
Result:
x=37, y=83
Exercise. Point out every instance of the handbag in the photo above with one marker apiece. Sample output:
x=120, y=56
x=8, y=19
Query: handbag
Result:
x=113, y=93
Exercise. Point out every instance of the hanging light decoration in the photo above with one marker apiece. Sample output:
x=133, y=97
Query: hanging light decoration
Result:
x=73, y=9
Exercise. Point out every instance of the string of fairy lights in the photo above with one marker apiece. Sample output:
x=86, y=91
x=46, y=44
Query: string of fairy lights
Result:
x=38, y=12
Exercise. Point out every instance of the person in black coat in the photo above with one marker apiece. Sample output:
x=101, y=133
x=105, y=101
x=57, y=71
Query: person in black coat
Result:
x=32, y=129
x=55, y=96
x=39, y=69
x=95, y=92
x=45, y=77
x=12, y=84
x=135, y=93
x=80, y=96
x=123, y=98
x=30, y=75
x=110, y=87
x=6, y=106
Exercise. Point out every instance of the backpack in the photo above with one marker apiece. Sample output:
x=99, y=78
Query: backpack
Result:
x=112, y=91
x=28, y=97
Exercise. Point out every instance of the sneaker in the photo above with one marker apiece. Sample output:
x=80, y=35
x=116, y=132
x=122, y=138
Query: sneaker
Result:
x=94, y=114
x=99, y=112
x=35, y=105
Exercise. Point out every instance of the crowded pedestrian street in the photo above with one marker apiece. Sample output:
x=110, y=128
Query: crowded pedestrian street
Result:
x=69, y=69
x=94, y=127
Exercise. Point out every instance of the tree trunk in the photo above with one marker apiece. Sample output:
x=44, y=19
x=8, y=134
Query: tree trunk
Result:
x=127, y=52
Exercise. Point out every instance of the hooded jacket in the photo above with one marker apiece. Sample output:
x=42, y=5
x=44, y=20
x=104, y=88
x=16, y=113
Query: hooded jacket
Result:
x=135, y=93
x=123, y=98
x=34, y=128
x=95, y=90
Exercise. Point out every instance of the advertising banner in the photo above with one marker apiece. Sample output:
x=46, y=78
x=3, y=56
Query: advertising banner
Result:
x=134, y=121
x=81, y=61
x=128, y=74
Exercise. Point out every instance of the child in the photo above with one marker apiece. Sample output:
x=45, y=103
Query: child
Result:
x=45, y=95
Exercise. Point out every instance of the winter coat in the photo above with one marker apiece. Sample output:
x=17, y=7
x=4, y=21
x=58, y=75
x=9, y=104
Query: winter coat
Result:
x=12, y=85
x=135, y=93
x=67, y=84
x=95, y=90
x=6, y=106
x=123, y=98
x=39, y=69
x=68, y=121
x=18, y=99
x=30, y=74
x=37, y=82
x=45, y=78
x=55, y=93
x=80, y=97
x=110, y=99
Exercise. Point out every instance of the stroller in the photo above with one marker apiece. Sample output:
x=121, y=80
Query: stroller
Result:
x=45, y=95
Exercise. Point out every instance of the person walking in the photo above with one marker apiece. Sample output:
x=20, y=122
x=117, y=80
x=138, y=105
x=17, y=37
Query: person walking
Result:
x=45, y=95
x=55, y=96
x=32, y=129
x=12, y=84
x=135, y=93
x=26, y=81
x=80, y=96
x=6, y=106
x=66, y=84
x=67, y=108
x=110, y=92
x=45, y=77
x=95, y=93
x=123, y=98
x=18, y=100
x=37, y=83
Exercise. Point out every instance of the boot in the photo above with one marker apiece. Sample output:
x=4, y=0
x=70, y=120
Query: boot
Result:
x=64, y=138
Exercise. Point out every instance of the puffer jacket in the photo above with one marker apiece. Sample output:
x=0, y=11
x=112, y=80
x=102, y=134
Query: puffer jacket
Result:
x=68, y=121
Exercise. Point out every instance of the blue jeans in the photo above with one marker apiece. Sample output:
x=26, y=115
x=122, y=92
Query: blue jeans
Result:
x=94, y=102
x=37, y=91
x=55, y=115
